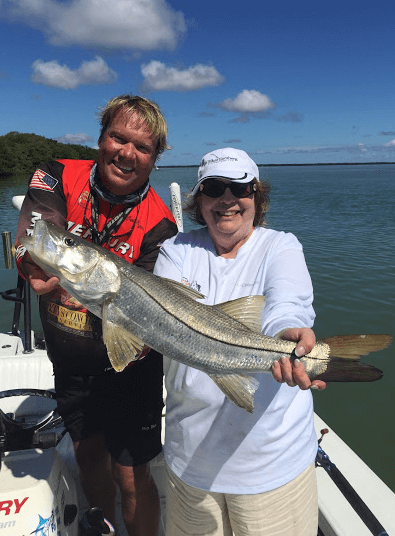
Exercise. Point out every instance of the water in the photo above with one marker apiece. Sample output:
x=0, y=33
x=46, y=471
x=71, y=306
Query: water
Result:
x=344, y=217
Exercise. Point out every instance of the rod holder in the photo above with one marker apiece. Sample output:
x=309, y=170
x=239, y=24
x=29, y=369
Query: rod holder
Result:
x=7, y=247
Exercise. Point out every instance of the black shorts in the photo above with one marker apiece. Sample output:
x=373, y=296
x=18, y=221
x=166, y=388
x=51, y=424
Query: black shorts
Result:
x=125, y=406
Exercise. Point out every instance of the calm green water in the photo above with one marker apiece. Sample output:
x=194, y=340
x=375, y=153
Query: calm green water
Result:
x=344, y=217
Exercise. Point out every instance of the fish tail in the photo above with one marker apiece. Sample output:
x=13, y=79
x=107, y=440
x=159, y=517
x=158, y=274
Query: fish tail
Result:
x=344, y=359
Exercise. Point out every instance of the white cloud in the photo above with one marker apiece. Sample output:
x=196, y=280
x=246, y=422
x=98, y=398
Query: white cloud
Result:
x=159, y=77
x=362, y=147
x=75, y=138
x=390, y=144
x=248, y=101
x=126, y=24
x=53, y=74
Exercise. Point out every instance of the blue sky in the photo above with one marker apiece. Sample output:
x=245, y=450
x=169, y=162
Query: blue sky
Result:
x=303, y=83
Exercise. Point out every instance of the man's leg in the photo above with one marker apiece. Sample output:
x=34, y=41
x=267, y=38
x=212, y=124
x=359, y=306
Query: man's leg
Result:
x=95, y=474
x=140, y=499
x=133, y=437
x=82, y=406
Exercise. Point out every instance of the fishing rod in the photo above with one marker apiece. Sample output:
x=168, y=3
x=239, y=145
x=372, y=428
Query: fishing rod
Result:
x=344, y=486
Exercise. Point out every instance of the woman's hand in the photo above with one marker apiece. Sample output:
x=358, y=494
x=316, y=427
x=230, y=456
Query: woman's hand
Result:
x=293, y=373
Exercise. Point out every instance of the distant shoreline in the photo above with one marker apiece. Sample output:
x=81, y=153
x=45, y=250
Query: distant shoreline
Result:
x=4, y=175
x=36, y=149
x=299, y=165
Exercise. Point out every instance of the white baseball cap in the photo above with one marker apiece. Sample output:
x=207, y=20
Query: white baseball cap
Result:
x=228, y=163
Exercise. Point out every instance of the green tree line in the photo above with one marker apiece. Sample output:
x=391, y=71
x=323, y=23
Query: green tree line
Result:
x=22, y=153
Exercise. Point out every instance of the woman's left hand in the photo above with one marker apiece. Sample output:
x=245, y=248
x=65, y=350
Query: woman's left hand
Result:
x=293, y=373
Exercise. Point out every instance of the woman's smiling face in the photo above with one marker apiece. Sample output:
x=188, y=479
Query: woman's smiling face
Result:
x=229, y=219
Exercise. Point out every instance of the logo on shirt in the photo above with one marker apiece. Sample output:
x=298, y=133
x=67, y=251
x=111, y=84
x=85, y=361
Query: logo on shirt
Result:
x=69, y=320
x=194, y=285
x=83, y=199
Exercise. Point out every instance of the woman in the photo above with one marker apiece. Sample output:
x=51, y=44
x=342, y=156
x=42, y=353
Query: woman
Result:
x=229, y=470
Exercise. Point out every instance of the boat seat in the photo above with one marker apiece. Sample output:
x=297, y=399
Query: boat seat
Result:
x=24, y=371
x=10, y=345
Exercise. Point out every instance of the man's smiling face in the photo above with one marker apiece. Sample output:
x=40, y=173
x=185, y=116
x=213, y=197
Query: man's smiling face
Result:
x=127, y=154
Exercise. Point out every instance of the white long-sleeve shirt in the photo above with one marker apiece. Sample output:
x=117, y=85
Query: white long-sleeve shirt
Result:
x=211, y=443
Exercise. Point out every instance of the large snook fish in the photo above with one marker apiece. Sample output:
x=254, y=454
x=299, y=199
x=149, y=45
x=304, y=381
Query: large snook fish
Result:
x=138, y=308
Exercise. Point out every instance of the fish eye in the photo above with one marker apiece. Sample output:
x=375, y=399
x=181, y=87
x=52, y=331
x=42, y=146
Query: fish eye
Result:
x=69, y=242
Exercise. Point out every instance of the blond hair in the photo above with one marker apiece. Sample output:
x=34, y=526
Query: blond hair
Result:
x=147, y=110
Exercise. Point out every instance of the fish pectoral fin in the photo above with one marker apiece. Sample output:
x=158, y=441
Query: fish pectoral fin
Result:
x=188, y=291
x=247, y=310
x=122, y=346
x=239, y=388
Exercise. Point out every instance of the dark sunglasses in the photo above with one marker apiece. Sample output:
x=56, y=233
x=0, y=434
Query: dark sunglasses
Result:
x=216, y=188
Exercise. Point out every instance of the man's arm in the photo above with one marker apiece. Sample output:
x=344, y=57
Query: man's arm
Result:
x=44, y=200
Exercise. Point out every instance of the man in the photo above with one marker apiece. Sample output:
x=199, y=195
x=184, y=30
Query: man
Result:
x=113, y=418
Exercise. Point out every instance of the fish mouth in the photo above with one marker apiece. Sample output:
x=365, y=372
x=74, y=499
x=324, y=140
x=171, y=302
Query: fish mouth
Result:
x=36, y=245
x=27, y=241
x=43, y=246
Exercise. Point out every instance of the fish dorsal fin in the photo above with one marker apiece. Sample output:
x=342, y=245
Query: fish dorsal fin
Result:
x=188, y=291
x=247, y=310
x=239, y=388
x=122, y=346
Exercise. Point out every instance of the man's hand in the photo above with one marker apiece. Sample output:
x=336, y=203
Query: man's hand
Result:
x=38, y=279
x=293, y=373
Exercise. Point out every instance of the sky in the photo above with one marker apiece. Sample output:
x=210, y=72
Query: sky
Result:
x=290, y=83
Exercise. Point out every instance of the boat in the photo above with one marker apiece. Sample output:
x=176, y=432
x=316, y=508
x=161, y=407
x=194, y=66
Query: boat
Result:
x=39, y=487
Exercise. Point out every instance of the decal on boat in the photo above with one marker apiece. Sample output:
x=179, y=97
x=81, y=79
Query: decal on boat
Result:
x=7, y=524
x=46, y=526
x=12, y=506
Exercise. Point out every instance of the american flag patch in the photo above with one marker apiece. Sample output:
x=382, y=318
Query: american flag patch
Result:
x=19, y=252
x=42, y=181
